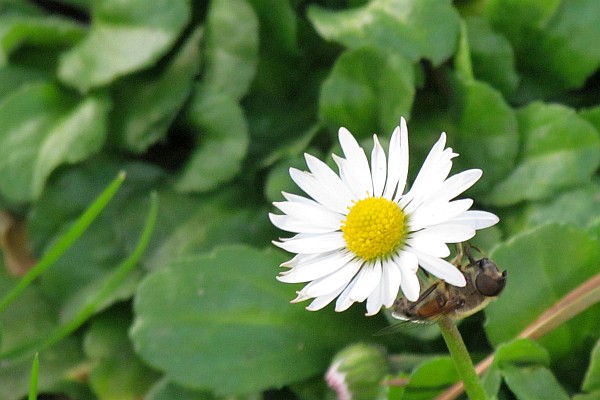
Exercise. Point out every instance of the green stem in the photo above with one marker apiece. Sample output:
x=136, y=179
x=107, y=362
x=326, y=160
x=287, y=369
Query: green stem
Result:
x=461, y=358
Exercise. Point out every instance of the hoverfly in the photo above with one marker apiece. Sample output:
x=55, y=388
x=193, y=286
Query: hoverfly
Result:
x=484, y=283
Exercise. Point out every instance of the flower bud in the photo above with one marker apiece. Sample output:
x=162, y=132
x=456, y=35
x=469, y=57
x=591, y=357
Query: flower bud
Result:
x=356, y=372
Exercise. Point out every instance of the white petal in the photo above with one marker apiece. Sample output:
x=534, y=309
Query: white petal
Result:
x=317, y=268
x=434, y=171
x=436, y=213
x=290, y=224
x=346, y=175
x=322, y=194
x=375, y=302
x=367, y=279
x=328, y=178
x=313, y=214
x=442, y=269
x=312, y=244
x=448, y=232
x=406, y=259
x=357, y=160
x=344, y=301
x=398, y=162
x=301, y=259
x=378, y=167
x=331, y=282
x=455, y=185
x=321, y=301
x=476, y=219
x=409, y=283
x=429, y=244
x=390, y=282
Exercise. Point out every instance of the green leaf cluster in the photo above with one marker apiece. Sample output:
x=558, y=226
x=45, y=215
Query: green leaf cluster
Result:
x=166, y=288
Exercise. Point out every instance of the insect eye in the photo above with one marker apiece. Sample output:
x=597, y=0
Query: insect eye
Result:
x=489, y=281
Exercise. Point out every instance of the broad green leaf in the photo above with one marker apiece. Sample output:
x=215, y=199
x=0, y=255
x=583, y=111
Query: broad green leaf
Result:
x=13, y=76
x=125, y=36
x=577, y=207
x=278, y=26
x=544, y=264
x=592, y=115
x=44, y=127
x=414, y=28
x=487, y=131
x=595, y=395
x=42, y=31
x=521, y=352
x=430, y=379
x=223, y=322
x=147, y=103
x=117, y=374
x=222, y=144
x=167, y=390
x=190, y=225
x=492, y=56
x=551, y=39
x=533, y=383
x=368, y=90
x=591, y=381
x=560, y=150
x=231, y=47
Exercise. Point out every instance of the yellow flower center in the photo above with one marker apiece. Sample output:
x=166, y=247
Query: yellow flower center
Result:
x=374, y=228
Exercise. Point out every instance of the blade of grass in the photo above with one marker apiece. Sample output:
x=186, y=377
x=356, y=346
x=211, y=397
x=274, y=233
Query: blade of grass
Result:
x=93, y=305
x=63, y=244
x=33, y=381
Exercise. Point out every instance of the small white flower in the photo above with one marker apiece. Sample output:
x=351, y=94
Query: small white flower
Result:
x=361, y=237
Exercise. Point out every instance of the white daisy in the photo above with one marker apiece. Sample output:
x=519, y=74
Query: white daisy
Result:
x=361, y=237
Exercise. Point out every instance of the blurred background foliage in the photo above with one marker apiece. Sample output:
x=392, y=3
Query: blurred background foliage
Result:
x=208, y=103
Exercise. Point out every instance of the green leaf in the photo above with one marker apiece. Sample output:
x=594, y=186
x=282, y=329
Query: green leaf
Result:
x=278, y=23
x=116, y=373
x=430, y=379
x=223, y=322
x=492, y=56
x=544, y=264
x=167, y=390
x=146, y=103
x=591, y=381
x=551, y=39
x=368, y=89
x=577, y=207
x=533, y=383
x=487, y=131
x=416, y=29
x=12, y=77
x=44, y=127
x=231, y=47
x=42, y=31
x=521, y=352
x=595, y=395
x=223, y=142
x=550, y=159
x=125, y=36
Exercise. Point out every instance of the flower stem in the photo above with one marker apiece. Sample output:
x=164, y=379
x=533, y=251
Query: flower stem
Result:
x=461, y=358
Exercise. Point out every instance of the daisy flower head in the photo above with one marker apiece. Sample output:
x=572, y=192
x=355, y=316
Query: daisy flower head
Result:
x=362, y=236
